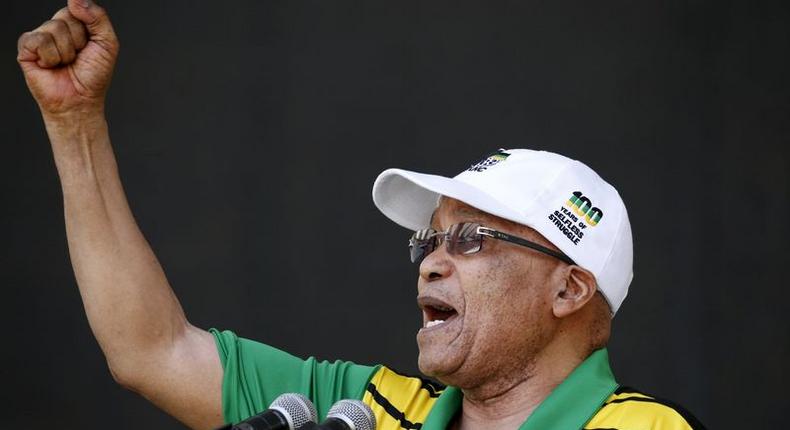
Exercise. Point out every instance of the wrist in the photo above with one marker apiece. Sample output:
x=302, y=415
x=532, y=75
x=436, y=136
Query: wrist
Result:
x=75, y=126
x=75, y=137
x=74, y=118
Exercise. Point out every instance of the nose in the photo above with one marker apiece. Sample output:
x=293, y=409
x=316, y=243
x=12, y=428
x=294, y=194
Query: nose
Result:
x=436, y=265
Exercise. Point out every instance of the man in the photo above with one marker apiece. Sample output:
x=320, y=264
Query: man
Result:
x=523, y=260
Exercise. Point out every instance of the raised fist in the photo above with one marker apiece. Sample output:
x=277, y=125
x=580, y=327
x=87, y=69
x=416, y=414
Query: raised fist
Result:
x=68, y=60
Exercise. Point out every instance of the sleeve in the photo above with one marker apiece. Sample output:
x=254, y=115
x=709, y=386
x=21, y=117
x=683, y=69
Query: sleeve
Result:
x=254, y=375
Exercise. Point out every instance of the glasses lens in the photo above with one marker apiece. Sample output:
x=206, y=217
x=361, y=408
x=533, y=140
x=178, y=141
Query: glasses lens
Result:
x=422, y=243
x=463, y=239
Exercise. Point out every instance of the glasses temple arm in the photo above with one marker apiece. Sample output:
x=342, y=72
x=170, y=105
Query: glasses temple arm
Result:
x=523, y=242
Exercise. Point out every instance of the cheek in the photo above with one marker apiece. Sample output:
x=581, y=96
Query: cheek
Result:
x=508, y=296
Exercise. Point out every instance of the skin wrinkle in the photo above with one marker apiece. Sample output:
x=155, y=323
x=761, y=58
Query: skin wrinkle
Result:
x=523, y=326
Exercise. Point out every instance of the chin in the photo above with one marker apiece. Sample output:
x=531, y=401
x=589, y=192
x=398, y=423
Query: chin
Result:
x=427, y=366
x=437, y=364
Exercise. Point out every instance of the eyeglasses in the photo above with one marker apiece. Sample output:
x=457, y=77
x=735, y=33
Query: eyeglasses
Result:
x=467, y=238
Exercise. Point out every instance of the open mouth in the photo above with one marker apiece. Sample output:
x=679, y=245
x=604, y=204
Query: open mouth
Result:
x=436, y=312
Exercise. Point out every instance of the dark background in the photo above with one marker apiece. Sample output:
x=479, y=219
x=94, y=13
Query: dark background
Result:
x=249, y=133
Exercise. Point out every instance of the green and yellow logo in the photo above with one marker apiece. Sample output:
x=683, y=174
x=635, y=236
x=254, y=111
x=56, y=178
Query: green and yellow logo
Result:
x=489, y=160
x=583, y=207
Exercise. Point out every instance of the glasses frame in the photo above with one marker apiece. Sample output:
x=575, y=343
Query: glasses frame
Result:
x=484, y=232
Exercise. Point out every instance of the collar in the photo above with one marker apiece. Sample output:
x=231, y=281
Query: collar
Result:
x=569, y=406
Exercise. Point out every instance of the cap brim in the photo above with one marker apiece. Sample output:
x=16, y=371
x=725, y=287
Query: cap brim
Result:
x=409, y=198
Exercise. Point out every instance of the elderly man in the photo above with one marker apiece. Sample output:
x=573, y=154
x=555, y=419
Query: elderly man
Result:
x=523, y=260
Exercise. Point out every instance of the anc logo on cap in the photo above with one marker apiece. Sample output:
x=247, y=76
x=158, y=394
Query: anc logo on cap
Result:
x=582, y=206
x=489, y=160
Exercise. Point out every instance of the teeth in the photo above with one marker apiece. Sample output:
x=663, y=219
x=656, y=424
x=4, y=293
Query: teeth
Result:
x=434, y=323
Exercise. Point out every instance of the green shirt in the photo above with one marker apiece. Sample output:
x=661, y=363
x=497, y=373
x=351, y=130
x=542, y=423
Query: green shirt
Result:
x=589, y=398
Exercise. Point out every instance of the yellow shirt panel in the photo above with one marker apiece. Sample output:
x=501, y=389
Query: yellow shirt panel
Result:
x=403, y=402
x=400, y=402
x=637, y=411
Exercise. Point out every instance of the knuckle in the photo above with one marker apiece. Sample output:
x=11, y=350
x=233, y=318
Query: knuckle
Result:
x=20, y=43
x=33, y=39
x=56, y=26
x=43, y=38
x=44, y=44
x=79, y=35
x=75, y=28
x=22, y=38
x=66, y=16
x=99, y=13
x=61, y=13
x=67, y=52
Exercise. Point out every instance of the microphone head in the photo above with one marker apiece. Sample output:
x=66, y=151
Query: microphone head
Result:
x=354, y=413
x=297, y=409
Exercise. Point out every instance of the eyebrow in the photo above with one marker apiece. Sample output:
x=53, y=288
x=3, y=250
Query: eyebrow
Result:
x=474, y=213
x=469, y=211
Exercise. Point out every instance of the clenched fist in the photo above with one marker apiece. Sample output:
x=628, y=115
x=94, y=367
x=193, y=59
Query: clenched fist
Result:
x=68, y=60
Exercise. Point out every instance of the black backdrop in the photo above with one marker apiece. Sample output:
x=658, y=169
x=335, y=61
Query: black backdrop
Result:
x=249, y=133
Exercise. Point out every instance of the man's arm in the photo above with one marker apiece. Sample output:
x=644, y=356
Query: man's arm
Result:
x=150, y=346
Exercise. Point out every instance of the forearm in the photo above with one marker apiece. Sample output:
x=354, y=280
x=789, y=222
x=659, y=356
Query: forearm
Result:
x=67, y=62
x=131, y=308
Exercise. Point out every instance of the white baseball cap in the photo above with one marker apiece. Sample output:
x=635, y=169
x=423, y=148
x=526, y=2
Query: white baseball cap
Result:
x=563, y=199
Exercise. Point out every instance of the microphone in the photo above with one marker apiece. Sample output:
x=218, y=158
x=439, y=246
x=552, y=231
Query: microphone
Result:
x=289, y=411
x=346, y=415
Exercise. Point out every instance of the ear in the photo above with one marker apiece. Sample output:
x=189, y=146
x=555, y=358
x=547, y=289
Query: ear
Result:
x=580, y=287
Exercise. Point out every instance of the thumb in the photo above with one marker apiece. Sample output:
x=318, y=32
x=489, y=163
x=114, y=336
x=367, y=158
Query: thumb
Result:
x=94, y=17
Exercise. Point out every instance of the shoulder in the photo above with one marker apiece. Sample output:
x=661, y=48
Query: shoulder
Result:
x=400, y=401
x=628, y=409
